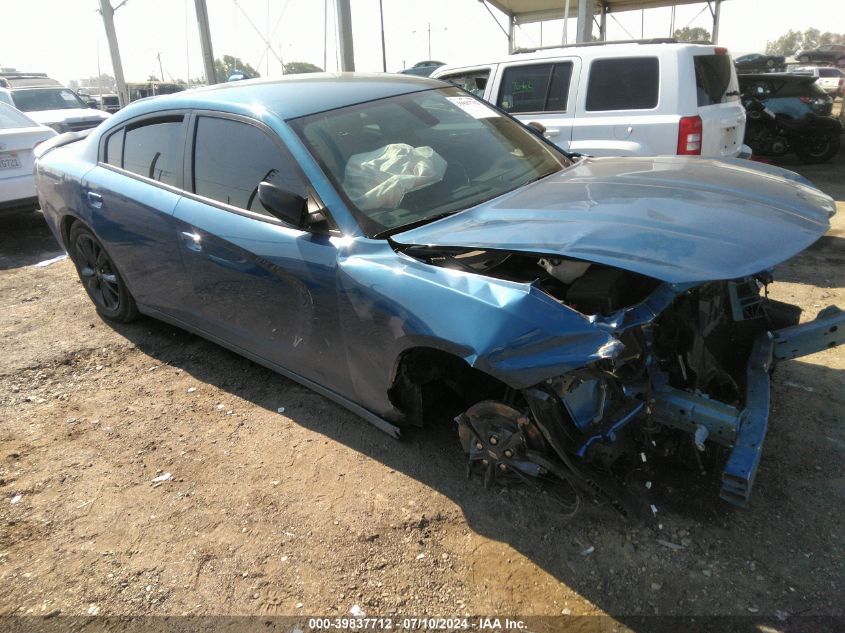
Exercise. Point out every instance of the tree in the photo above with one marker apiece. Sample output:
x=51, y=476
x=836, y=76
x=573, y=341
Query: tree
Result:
x=229, y=63
x=793, y=41
x=695, y=34
x=294, y=68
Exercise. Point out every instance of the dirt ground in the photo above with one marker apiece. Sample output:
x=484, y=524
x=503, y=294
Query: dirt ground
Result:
x=312, y=511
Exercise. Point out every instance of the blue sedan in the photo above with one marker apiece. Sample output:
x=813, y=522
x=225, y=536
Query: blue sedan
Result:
x=419, y=256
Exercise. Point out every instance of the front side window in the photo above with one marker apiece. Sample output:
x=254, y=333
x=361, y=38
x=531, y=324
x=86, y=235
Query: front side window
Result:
x=153, y=149
x=474, y=82
x=231, y=158
x=34, y=99
x=627, y=83
x=535, y=88
x=410, y=159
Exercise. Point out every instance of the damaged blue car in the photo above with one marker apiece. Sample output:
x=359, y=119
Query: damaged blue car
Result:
x=420, y=257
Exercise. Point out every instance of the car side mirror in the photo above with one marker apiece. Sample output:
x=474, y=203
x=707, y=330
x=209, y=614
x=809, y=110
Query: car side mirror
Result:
x=538, y=128
x=289, y=207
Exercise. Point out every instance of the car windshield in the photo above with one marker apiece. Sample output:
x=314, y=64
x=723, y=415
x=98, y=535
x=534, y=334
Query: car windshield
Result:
x=11, y=118
x=407, y=160
x=34, y=99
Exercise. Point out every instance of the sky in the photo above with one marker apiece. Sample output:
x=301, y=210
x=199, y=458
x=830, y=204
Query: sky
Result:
x=66, y=38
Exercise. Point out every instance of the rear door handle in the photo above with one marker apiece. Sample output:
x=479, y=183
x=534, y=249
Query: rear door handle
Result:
x=192, y=241
x=95, y=199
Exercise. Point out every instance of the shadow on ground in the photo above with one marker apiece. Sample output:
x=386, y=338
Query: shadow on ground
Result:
x=25, y=239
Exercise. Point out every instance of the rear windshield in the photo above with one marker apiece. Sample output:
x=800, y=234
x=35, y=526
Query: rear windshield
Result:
x=34, y=99
x=715, y=81
x=829, y=72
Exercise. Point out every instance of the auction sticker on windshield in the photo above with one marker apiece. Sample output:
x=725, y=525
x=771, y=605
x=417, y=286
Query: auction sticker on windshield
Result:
x=9, y=161
x=474, y=108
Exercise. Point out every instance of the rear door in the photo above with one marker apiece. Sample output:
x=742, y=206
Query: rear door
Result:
x=130, y=197
x=541, y=90
x=718, y=103
x=621, y=112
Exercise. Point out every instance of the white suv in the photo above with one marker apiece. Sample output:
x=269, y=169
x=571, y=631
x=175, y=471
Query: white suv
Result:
x=48, y=102
x=619, y=99
x=831, y=80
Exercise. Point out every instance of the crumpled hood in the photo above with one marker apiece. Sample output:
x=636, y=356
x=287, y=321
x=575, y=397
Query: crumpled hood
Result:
x=680, y=220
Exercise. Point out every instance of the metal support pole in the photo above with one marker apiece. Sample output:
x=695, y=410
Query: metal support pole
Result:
x=383, y=50
x=108, y=22
x=511, y=29
x=205, y=42
x=585, y=21
x=344, y=24
x=716, y=12
x=603, y=23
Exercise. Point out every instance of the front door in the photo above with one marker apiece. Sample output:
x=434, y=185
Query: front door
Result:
x=259, y=285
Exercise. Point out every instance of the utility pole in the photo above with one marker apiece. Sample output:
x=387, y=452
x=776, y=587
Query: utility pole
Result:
x=383, y=52
x=160, y=69
x=205, y=41
x=108, y=22
x=344, y=24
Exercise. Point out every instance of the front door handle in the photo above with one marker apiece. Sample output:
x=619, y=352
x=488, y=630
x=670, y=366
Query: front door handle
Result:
x=552, y=131
x=95, y=199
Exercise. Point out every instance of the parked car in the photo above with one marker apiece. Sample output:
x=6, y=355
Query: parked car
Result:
x=831, y=80
x=47, y=102
x=827, y=53
x=422, y=69
x=419, y=257
x=110, y=103
x=631, y=99
x=18, y=137
x=792, y=95
x=759, y=62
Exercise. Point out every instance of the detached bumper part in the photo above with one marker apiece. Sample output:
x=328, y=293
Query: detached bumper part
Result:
x=745, y=430
x=824, y=332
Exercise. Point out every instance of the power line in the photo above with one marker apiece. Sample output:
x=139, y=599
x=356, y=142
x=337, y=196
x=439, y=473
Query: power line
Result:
x=257, y=31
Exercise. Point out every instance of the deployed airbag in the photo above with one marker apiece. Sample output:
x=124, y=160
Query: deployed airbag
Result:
x=379, y=179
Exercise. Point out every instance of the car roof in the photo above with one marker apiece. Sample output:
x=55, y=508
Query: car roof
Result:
x=589, y=51
x=292, y=96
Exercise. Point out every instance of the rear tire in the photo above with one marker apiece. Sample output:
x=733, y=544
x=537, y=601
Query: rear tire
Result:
x=818, y=149
x=99, y=276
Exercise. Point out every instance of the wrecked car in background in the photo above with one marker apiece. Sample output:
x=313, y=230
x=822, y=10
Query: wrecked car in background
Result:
x=420, y=257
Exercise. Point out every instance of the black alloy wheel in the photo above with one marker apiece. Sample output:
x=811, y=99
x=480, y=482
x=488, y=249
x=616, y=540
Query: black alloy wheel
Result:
x=818, y=148
x=100, y=277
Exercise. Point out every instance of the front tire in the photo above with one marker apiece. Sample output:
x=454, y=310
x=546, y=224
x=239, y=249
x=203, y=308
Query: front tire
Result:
x=819, y=148
x=99, y=275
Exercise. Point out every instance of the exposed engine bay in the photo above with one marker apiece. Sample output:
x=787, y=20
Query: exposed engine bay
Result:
x=690, y=381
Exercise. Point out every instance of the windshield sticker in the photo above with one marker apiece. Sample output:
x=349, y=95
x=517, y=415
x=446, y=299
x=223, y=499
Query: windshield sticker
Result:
x=67, y=96
x=475, y=109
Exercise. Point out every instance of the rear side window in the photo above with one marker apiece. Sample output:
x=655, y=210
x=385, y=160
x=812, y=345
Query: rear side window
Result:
x=713, y=79
x=536, y=88
x=473, y=82
x=231, y=158
x=628, y=83
x=153, y=149
x=114, y=149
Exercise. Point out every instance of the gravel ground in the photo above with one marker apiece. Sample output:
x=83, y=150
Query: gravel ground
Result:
x=312, y=511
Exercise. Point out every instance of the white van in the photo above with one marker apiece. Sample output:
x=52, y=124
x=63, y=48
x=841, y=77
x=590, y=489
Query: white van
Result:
x=619, y=99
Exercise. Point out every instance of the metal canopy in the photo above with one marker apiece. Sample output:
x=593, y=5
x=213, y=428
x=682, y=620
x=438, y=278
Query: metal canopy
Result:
x=528, y=11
